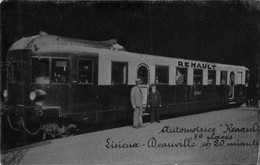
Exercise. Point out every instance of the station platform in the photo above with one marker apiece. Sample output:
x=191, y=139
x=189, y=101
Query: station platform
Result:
x=229, y=136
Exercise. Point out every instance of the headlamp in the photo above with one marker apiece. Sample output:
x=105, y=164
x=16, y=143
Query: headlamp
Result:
x=32, y=95
x=37, y=94
x=5, y=93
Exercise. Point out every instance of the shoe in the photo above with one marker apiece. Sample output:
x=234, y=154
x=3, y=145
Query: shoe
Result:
x=141, y=126
x=136, y=127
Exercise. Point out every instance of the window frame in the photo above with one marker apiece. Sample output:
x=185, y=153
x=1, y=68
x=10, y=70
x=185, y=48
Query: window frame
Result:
x=186, y=83
x=69, y=69
x=226, y=82
x=241, y=78
x=148, y=73
x=50, y=68
x=164, y=67
x=196, y=75
x=31, y=67
x=215, y=78
x=92, y=72
x=125, y=76
x=10, y=72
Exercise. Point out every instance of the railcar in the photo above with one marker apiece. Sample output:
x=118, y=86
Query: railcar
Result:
x=91, y=80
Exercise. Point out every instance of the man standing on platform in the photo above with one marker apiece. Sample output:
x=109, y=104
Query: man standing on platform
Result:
x=137, y=103
x=154, y=102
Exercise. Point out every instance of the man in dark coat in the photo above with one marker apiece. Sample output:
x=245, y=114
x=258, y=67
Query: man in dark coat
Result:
x=248, y=96
x=253, y=90
x=154, y=102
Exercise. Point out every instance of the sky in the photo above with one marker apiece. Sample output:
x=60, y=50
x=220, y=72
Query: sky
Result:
x=221, y=31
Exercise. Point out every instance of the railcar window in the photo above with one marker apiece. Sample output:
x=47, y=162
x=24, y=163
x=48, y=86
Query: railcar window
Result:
x=60, y=71
x=197, y=76
x=162, y=74
x=231, y=85
x=40, y=71
x=181, y=76
x=223, y=77
x=142, y=73
x=239, y=78
x=211, y=77
x=85, y=71
x=17, y=72
x=119, y=73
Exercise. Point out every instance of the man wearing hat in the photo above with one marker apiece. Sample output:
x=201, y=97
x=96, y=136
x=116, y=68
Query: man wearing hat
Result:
x=137, y=103
x=154, y=102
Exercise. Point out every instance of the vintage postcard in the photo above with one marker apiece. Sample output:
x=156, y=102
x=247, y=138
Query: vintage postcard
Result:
x=130, y=82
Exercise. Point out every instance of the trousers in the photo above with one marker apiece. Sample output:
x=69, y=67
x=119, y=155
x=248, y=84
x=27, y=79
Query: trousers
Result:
x=138, y=116
x=155, y=114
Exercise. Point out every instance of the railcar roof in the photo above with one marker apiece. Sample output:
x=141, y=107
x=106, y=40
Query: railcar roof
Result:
x=34, y=42
x=44, y=39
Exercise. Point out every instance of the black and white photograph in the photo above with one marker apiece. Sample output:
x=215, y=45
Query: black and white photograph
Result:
x=130, y=82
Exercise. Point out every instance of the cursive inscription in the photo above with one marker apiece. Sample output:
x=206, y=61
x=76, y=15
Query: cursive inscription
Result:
x=154, y=143
x=231, y=128
x=169, y=129
x=241, y=144
x=111, y=144
x=224, y=135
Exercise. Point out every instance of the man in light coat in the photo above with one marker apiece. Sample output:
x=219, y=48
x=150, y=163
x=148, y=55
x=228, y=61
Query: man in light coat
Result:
x=137, y=103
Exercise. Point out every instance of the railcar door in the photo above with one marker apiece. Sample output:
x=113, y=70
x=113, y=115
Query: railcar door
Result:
x=232, y=86
x=84, y=88
x=143, y=74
